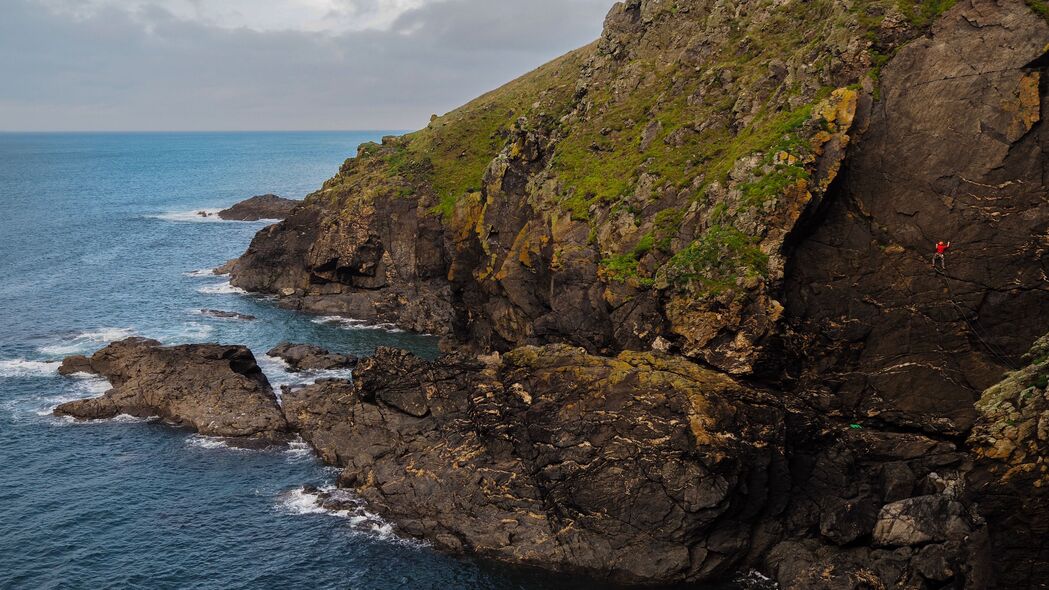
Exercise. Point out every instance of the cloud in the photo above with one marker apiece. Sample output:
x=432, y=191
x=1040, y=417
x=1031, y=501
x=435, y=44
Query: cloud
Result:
x=182, y=64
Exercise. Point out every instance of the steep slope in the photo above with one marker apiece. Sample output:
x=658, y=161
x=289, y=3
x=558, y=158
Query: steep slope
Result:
x=754, y=187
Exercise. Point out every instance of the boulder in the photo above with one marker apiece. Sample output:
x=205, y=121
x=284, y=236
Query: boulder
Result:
x=637, y=468
x=307, y=357
x=260, y=207
x=214, y=389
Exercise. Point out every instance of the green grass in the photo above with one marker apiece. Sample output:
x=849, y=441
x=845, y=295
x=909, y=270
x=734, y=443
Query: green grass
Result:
x=1041, y=7
x=923, y=13
x=717, y=260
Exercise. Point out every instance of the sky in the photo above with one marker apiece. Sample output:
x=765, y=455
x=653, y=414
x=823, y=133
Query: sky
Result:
x=211, y=65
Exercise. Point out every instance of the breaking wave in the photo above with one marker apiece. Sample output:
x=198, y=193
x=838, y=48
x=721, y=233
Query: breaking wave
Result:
x=86, y=341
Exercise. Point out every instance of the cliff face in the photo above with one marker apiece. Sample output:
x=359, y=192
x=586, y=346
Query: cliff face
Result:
x=752, y=187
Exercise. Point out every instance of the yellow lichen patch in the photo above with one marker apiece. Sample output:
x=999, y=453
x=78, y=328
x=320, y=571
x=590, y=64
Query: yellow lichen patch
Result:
x=839, y=110
x=1026, y=107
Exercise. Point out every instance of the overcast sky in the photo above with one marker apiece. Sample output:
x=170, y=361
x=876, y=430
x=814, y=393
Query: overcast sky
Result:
x=269, y=64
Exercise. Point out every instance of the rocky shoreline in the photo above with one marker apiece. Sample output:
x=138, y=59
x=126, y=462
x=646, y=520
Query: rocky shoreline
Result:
x=730, y=353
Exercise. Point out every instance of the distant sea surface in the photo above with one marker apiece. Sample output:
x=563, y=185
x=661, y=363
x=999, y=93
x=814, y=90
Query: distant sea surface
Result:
x=98, y=241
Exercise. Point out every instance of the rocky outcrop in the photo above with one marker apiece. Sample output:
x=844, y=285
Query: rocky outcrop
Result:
x=1011, y=479
x=639, y=468
x=890, y=338
x=306, y=357
x=753, y=187
x=213, y=389
x=260, y=207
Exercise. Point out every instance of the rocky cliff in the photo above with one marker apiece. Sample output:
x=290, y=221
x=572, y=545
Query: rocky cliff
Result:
x=752, y=191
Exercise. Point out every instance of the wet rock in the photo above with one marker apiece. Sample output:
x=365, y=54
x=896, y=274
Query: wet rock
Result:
x=226, y=268
x=228, y=315
x=307, y=357
x=637, y=468
x=213, y=389
x=75, y=364
x=260, y=207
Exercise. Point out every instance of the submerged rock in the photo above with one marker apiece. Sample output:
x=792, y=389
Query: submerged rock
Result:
x=214, y=389
x=260, y=207
x=229, y=315
x=307, y=357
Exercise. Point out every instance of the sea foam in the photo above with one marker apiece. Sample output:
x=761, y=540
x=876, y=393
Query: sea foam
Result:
x=27, y=368
x=85, y=341
x=300, y=501
x=355, y=324
x=224, y=288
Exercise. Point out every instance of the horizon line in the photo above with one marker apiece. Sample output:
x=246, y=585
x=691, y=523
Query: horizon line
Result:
x=146, y=131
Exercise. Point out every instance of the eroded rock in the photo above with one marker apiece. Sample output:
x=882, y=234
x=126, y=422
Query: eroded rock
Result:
x=216, y=390
x=260, y=207
x=639, y=468
x=307, y=357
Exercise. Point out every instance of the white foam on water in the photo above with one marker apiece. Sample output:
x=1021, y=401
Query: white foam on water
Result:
x=299, y=501
x=355, y=324
x=86, y=341
x=224, y=288
x=192, y=216
x=27, y=368
x=202, y=273
x=201, y=441
x=298, y=450
x=82, y=386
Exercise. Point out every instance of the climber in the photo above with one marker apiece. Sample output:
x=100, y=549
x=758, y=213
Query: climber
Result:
x=941, y=249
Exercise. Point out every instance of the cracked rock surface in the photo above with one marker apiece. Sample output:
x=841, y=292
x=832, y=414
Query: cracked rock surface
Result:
x=638, y=468
x=213, y=389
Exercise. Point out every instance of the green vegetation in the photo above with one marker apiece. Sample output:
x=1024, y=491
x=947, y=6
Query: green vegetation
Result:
x=452, y=153
x=756, y=193
x=923, y=13
x=717, y=260
x=625, y=267
x=1039, y=6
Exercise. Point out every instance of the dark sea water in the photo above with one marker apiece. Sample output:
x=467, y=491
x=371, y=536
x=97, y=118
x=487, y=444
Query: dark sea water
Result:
x=98, y=241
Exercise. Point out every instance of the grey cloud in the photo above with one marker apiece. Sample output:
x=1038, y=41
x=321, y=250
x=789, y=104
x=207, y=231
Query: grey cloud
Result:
x=150, y=70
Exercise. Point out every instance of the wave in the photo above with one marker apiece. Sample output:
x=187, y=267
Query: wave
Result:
x=224, y=288
x=194, y=216
x=83, y=386
x=355, y=324
x=201, y=441
x=350, y=507
x=27, y=368
x=299, y=449
x=85, y=341
x=188, y=333
x=200, y=274
x=278, y=373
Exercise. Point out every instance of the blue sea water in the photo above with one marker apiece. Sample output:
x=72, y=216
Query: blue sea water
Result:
x=98, y=241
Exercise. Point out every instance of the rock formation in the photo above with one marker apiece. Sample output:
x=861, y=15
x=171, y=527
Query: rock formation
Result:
x=213, y=389
x=639, y=468
x=227, y=315
x=306, y=357
x=260, y=207
x=686, y=274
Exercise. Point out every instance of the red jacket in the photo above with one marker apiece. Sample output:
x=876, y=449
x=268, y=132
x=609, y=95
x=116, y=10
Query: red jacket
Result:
x=941, y=247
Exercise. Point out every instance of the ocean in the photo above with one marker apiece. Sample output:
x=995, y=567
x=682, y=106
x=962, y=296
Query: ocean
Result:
x=98, y=241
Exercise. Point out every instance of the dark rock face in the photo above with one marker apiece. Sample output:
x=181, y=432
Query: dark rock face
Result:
x=382, y=263
x=215, y=390
x=956, y=151
x=306, y=357
x=260, y=207
x=639, y=468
